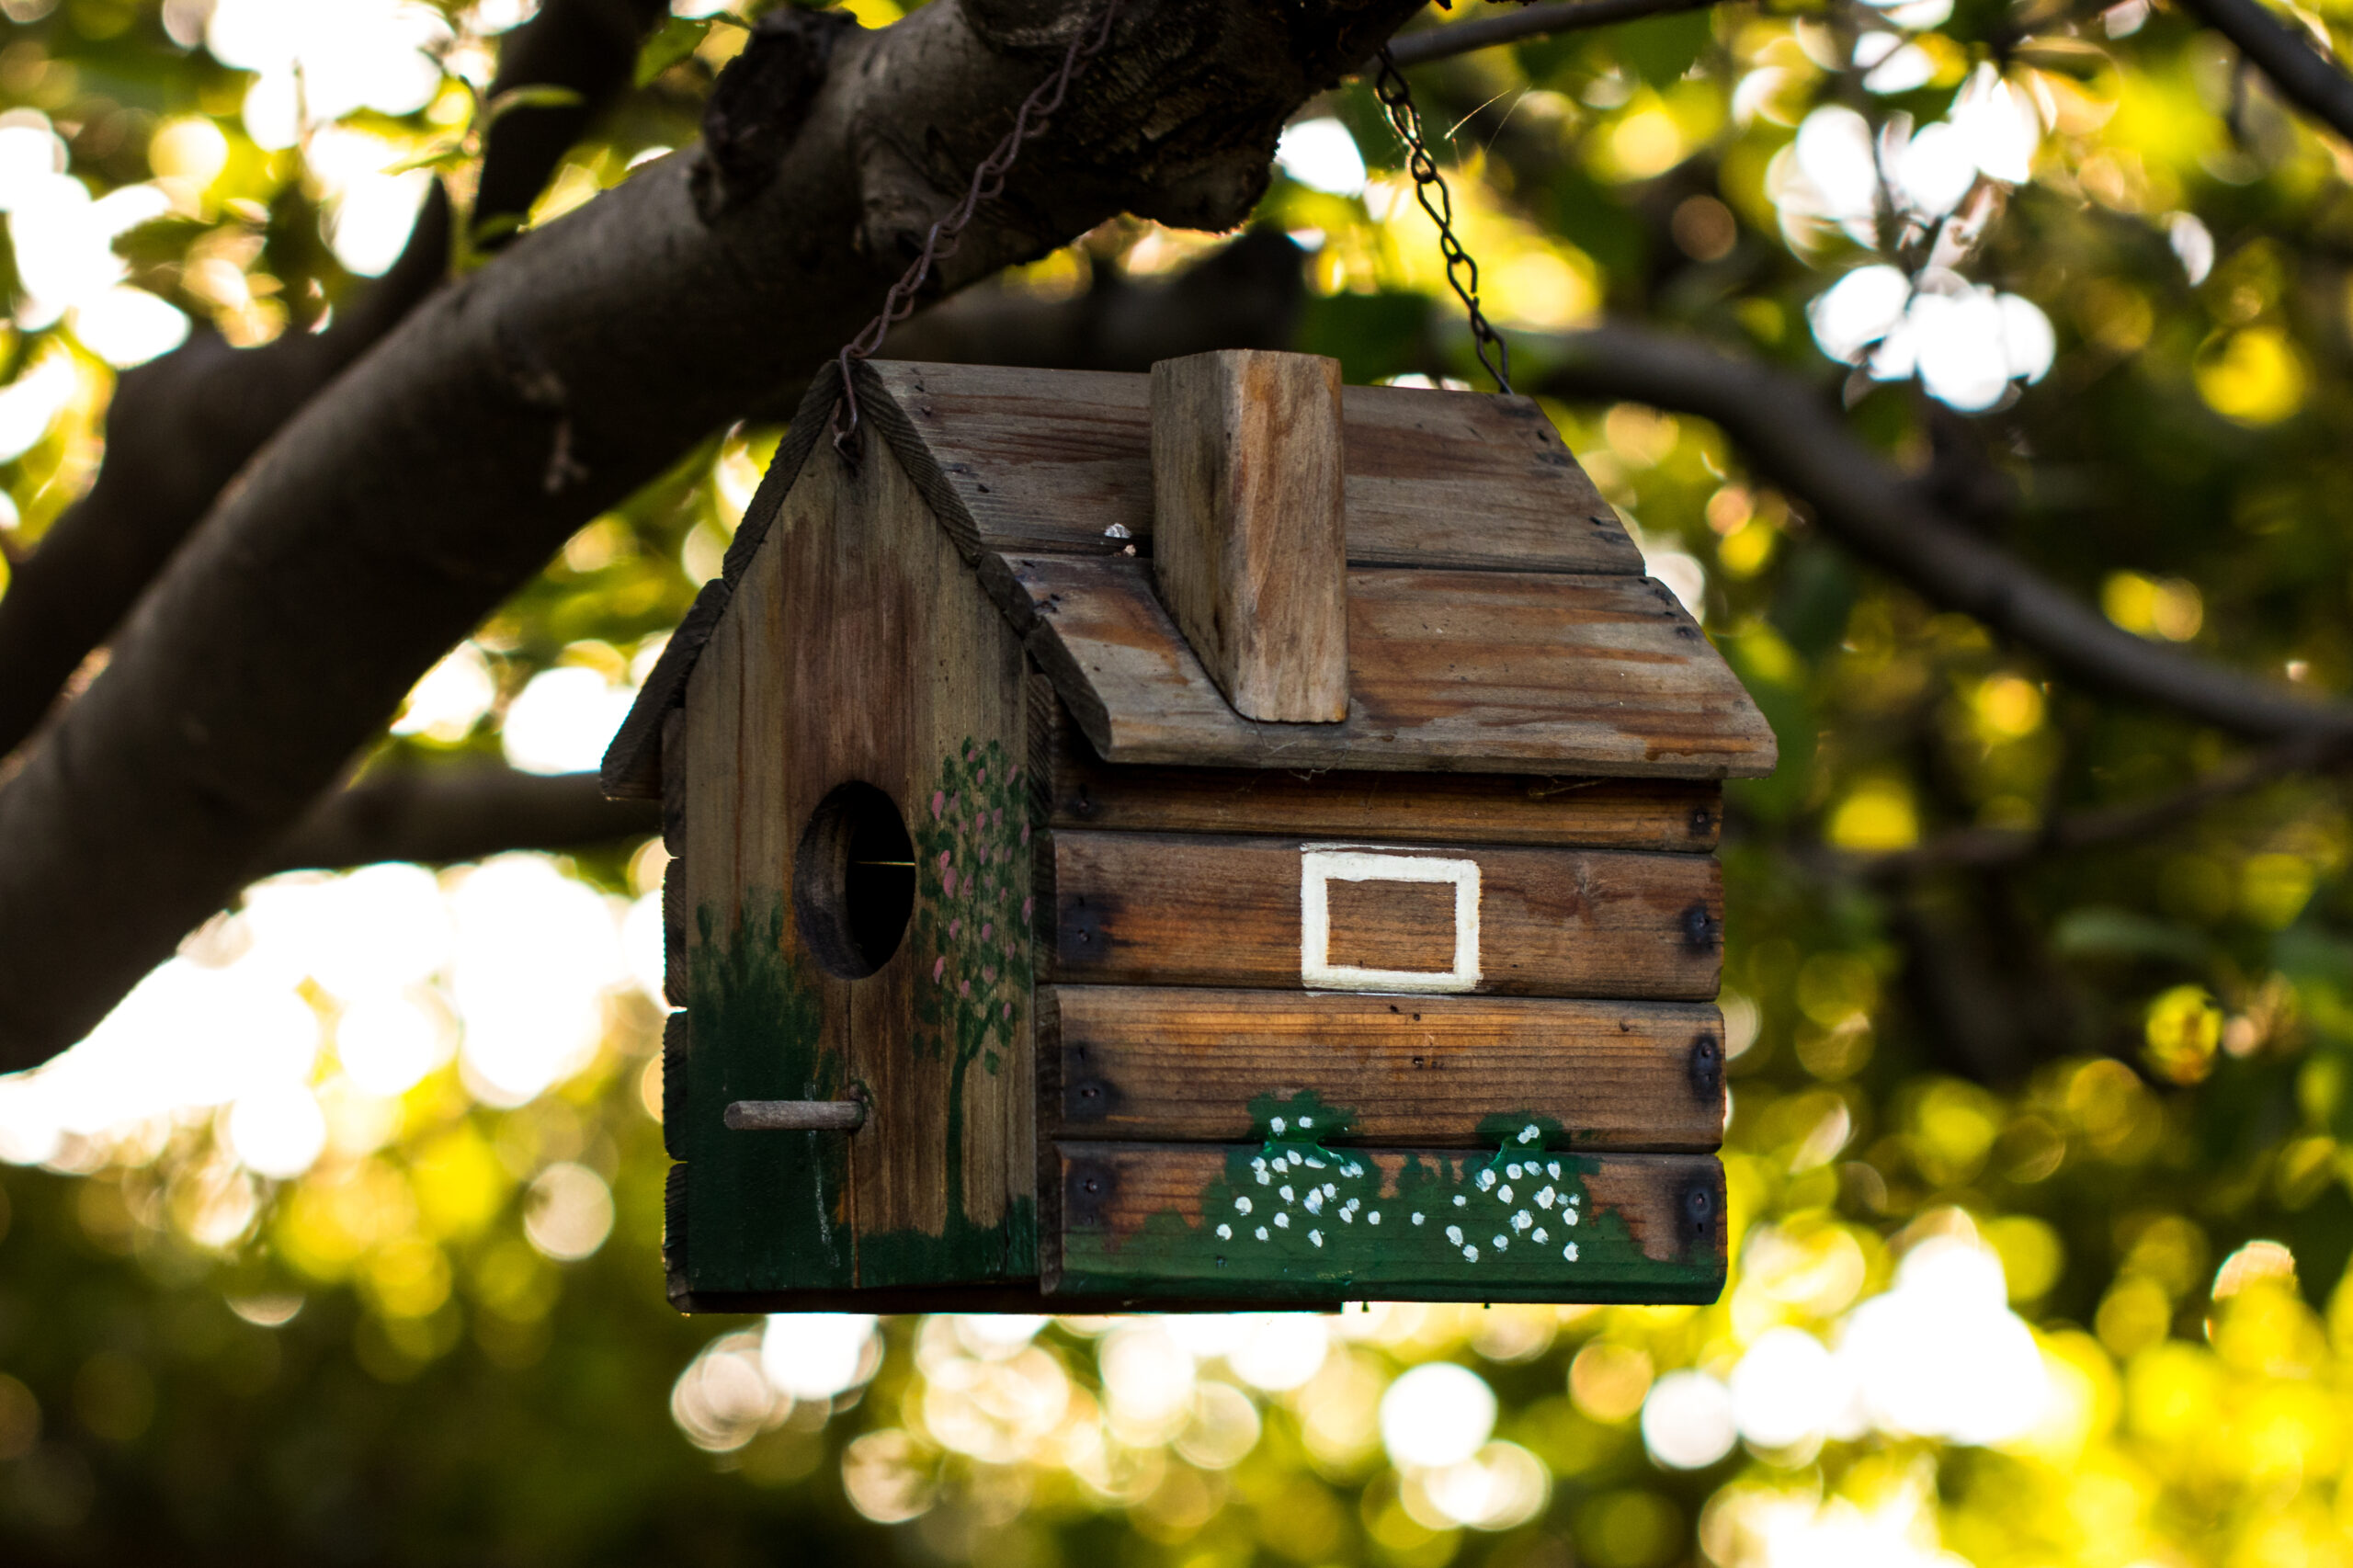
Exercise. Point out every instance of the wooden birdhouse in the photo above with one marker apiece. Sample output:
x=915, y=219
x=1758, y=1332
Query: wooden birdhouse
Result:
x=1204, y=839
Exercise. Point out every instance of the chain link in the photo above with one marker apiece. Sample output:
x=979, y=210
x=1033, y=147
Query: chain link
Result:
x=1461, y=272
x=988, y=183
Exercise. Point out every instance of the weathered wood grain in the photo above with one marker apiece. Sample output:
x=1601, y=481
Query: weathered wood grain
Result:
x=1179, y=1218
x=1164, y=909
x=907, y=680
x=1079, y=789
x=1249, y=549
x=1050, y=460
x=1449, y=672
x=858, y=648
x=1182, y=1065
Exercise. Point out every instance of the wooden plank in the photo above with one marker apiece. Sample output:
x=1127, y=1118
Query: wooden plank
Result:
x=764, y=1023
x=1080, y=790
x=1207, y=1066
x=1250, y=553
x=1050, y=460
x=909, y=683
x=1164, y=909
x=1329, y=1224
x=1448, y=671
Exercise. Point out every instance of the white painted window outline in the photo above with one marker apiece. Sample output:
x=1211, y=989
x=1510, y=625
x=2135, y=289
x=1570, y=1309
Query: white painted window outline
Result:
x=1319, y=866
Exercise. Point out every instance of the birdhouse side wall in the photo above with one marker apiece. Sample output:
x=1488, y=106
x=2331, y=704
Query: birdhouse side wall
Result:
x=858, y=651
x=1314, y=1037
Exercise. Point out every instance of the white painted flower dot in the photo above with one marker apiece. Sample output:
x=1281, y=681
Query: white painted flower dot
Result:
x=1278, y=1125
x=1314, y=1202
x=1504, y=1195
x=1264, y=1179
x=1570, y=1251
x=1552, y=1169
x=1454, y=1235
x=1314, y=1164
x=1570, y=1215
x=1262, y=1232
x=1375, y=1218
x=1540, y=1238
x=1307, y=1121
x=1287, y=1195
x=1522, y=1219
x=1486, y=1180
x=1225, y=1232
x=1315, y=1236
x=1461, y=1202
x=1282, y=1221
x=1469, y=1255
x=1529, y=1134
x=1347, y=1216
x=1330, y=1190
x=1241, y=1205
x=1544, y=1198
x=1501, y=1241
x=1511, y=1171
x=1418, y=1218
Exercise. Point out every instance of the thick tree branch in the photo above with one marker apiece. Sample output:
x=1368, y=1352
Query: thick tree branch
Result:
x=2305, y=76
x=1530, y=22
x=1858, y=497
x=182, y=425
x=420, y=489
x=458, y=812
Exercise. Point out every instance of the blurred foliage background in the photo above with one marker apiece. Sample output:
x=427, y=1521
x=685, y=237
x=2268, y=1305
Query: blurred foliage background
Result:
x=337, y=1241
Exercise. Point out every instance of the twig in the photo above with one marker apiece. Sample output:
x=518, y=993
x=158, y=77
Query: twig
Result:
x=1533, y=21
x=2304, y=76
x=1985, y=847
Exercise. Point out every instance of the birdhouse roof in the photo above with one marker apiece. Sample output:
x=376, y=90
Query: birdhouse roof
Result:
x=1499, y=620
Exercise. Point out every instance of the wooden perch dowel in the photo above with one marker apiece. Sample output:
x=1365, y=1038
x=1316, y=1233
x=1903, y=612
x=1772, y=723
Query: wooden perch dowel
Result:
x=795, y=1116
x=1249, y=541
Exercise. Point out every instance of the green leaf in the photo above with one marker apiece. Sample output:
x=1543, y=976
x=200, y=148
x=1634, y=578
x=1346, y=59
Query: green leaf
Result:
x=447, y=155
x=1661, y=49
x=671, y=42
x=540, y=95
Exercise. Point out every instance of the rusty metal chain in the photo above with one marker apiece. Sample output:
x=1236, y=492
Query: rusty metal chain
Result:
x=1461, y=272
x=988, y=183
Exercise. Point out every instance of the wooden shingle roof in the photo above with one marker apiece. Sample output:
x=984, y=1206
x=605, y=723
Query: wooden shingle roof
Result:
x=1499, y=619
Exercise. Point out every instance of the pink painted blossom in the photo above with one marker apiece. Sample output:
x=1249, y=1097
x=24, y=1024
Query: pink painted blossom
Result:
x=969, y=752
x=987, y=929
x=956, y=926
x=1025, y=833
x=998, y=821
x=963, y=988
x=939, y=803
x=1028, y=908
x=985, y=853
x=1008, y=1010
x=944, y=856
x=982, y=777
x=939, y=966
x=947, y=882
x=988, y=975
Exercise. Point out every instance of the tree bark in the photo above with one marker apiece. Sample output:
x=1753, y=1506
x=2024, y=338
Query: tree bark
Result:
x=182, y=425
x=429, y=482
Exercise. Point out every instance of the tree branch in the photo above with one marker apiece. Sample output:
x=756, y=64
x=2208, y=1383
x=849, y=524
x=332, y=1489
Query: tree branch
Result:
x=181, y=427
x=418, y=491
x=1421, y=47
x=2305, y=76
x=1861, y=499
x=1986, y=848
x=458, y=812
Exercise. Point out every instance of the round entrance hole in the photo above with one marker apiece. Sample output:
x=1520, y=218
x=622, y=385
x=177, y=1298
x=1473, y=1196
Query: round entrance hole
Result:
x=853, y=882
